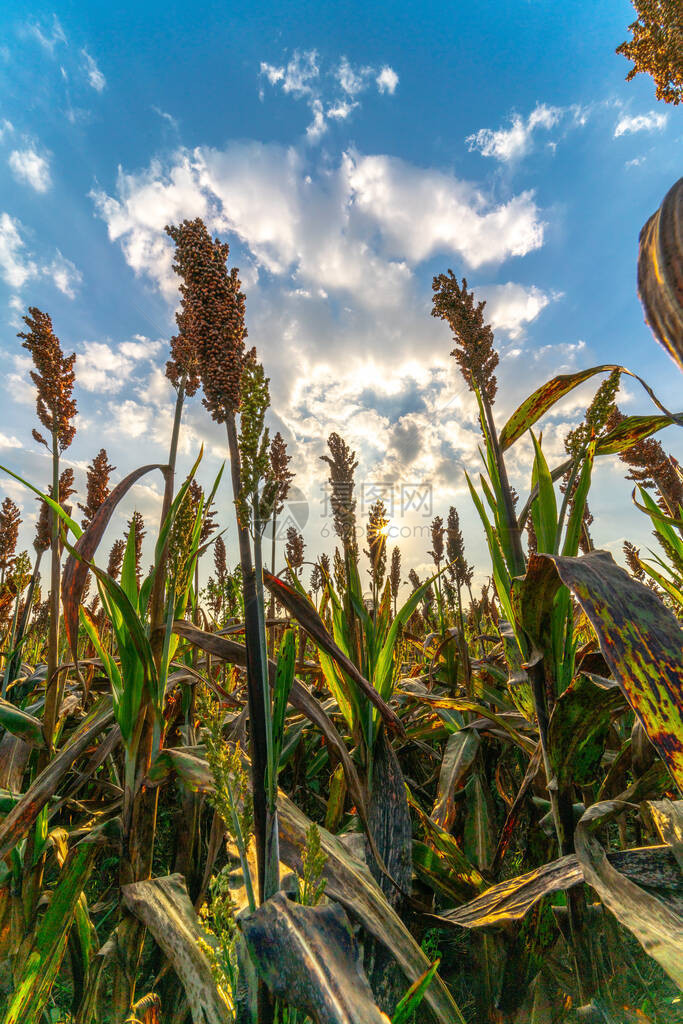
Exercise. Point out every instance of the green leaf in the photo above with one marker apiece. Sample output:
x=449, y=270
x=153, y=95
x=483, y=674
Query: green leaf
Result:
x=575, y=524
x=578, y=728
x=407, y=1006
x=129, y=581
x=305, y=613
x=32, y=986
x=383, y=679
x=21, y=724
x=55, y=506
x=670, y=536
x=501, y=575
x=78, y=563
x=544, y=507
x=640, y=640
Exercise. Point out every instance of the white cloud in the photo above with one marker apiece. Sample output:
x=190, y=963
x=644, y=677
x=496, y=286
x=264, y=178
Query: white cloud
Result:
x=318, y=126
x=65, y=275
x=165, y=116
x=509, y=307
x=387, y=80
x=10, y=442
x=95, y=77
x=302, y=78
x=129, y=419
x=342, y=110
x=105, y=369
x=421, y=212
x=515, y=141
x=6, y=128
x=15, y=266
x=352, y=80
x=30, y=168
x=297, y=76
x=628, y=125
x=49, y=39
x=353, y=230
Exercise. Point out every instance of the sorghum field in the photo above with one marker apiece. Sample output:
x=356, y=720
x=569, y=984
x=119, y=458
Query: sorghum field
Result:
x=287, y=790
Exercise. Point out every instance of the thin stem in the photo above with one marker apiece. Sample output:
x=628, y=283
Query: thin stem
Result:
x=255, y=666
x=51, y=680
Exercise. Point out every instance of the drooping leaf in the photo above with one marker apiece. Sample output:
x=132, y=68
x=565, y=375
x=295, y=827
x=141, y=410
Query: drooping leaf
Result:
x=631, y=430
x=389, y=820
x=162, y=904
x=543, y=399
x=23, y=815
x=479, y=826
x=306, y=615
x=640, y=640
x=651, y=866
x=459, y=754
x=76, y=567
x=449, y=871
x=189, y=763
x=349, y=882
x=308, y=957
x=21, y=724
x=299, y=697
x=654, y=921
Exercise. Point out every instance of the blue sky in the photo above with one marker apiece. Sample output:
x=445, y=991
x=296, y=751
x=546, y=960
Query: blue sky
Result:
x=347, y=152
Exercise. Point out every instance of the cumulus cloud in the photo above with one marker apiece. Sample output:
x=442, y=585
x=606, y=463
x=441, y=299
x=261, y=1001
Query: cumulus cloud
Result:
x=6, y=128
x=514, y=141
x=30, y=168
x=630, y=124
x=95, y=77
x=17, y=265
x=330, y=94
x=357, y=229
x=104, y=368
x=387, y=80
x=65, y=275
x=510, y=307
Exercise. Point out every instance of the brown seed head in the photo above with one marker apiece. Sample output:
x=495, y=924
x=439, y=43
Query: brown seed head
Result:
x=210, y=343
x=116, y=554
x=97, y=486
x=474, y=351
x=53, y=377
x=343, y=464
x=10, y=521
